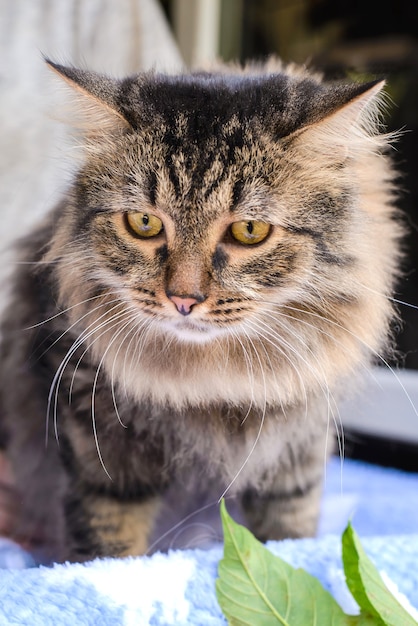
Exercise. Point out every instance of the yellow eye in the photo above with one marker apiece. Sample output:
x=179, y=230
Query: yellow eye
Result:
x=144, y=224
x=250, y=232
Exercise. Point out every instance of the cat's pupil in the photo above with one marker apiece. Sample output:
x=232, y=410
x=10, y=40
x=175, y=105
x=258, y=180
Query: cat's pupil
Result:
x=250, y=227
x=145, y=219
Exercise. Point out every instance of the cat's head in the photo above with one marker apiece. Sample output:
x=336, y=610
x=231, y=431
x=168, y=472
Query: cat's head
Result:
x=208, y=200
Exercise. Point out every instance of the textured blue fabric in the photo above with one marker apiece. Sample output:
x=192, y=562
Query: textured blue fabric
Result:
x=378, y=500
x=178, y=587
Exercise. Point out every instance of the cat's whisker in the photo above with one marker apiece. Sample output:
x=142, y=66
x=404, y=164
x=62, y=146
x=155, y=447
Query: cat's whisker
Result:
x=35, y=263
x=51, y=262
x=225, y=350
x=115, y=318
x=115, y=323
x=323, y=385
x=331, y=413
x=278, y=319
x=64, y=311
x=359, y=339
x=265, y=333
x=56, y=381
x=368, y=347
x=205, y=507
x=247, y=324
x=135, y=330
x=142, y=332
x=74, y=324
x=262, y=420
x=94, y=428
x=152, y=325
x=250, y=372
x=95, y=381
x=169, y=341
x=252, y=323
x=196, y=541
x=388, y=297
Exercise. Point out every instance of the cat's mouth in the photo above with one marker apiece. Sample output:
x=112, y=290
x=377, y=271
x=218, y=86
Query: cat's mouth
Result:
x=192, y=330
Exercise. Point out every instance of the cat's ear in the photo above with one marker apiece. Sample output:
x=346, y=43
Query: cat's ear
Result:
x=96, y=100
x=351, y=118
x=355, y=104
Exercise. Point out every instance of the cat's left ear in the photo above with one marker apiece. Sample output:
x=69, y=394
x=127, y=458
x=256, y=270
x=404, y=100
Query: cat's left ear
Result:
x=354, y=104
x=353, y=117
x=96, y=100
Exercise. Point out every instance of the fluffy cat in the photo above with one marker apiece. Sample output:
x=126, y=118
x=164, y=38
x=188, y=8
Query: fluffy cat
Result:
x=218, y=271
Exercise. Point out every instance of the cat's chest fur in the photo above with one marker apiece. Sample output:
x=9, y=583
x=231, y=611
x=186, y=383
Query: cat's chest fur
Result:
x=168, y=439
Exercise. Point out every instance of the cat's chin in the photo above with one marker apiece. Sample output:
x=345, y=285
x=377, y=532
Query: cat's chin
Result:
x=189, y=331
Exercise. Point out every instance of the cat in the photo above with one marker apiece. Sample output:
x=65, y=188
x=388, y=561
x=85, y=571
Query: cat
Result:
x=217, y=276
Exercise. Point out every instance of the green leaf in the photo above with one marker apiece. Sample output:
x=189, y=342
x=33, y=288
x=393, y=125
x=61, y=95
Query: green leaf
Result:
x=367, y=586
x=256, y=588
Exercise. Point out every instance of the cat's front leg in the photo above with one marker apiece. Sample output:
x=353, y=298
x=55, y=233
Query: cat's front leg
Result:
x=103, y=525
x=278, y=514
x=286, y=503
x=112, y=500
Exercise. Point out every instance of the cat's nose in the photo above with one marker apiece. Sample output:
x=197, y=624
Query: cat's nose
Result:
x=184, y=304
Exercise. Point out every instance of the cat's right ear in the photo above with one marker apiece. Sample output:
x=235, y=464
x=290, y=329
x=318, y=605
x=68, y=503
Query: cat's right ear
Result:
x=96, y=111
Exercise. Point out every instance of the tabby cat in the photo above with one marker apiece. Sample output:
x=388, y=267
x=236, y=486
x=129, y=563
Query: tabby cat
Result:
x=217, y=273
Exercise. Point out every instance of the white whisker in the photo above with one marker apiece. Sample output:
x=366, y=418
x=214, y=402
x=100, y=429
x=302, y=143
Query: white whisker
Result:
x=77, y=321
x=365, y=344
x=278, y=318
x=136, y=331
x=56, y=381
x=195, y=541
x=131, y=314
x=250, y=373
x=116, y=319
x=183, y=521
x=387, y=297
x=265, y=333
x=70, y=308
x=139, y=345
x=263, y=416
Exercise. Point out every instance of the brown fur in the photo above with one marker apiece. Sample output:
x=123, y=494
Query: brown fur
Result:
x=242, y=390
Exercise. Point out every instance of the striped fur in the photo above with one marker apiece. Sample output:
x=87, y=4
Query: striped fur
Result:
x=133, y=392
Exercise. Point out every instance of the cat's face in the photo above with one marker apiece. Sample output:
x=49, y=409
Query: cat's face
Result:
x=206, y=207
x=250, y=214
x=198, y=247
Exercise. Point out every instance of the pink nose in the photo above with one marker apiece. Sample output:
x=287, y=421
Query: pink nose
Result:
x=184, y=305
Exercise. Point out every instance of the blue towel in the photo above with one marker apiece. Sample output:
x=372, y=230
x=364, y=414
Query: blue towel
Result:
x=178, y=587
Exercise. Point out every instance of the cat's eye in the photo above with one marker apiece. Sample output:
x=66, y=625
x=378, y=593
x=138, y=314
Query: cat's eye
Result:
x=144, y=224
x=250, y=232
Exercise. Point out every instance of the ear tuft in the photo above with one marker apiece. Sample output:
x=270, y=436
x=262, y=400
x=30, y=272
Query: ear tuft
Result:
x=365, y=105
x=352, y=125
x=96, y=108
